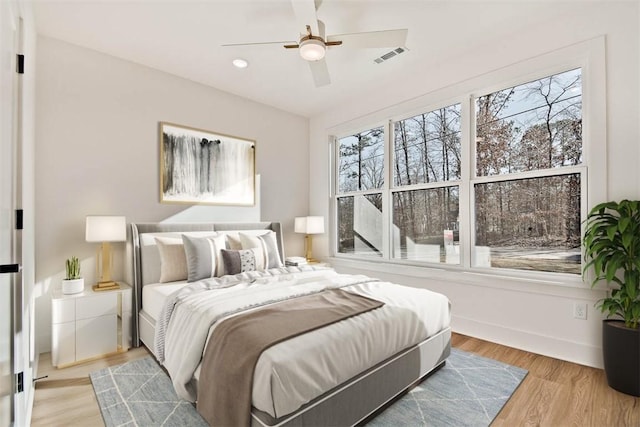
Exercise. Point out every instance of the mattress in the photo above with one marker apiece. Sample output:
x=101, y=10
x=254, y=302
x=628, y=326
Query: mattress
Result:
x=154, y=296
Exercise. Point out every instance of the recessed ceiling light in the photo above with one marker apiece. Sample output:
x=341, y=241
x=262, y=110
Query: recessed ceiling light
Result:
x=240, y=63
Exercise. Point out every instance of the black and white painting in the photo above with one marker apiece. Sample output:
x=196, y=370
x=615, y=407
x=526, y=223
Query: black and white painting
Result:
x=198, y=166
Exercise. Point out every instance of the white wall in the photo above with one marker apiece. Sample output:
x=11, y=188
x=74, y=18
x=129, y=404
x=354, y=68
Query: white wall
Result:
x=533, y=316
x=97, y=152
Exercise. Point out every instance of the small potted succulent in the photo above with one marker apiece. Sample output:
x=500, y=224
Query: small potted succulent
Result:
x=73, y=283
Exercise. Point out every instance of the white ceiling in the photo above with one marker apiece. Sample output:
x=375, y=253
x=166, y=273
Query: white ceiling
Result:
x=184, y=38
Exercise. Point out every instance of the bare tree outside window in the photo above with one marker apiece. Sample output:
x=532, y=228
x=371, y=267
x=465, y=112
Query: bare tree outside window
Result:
x=431, y=233
x=522, y=179
x=537, y=125
x=427, y=147
x=530, y=223
x=427, y=150
x=361, y=169
x=361, y=161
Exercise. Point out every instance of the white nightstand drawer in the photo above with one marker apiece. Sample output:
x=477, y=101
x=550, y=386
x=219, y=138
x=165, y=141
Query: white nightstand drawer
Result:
x=95, y=336
x=126, y=300
x=63, y=310
x=98, y=305
x=63, y=343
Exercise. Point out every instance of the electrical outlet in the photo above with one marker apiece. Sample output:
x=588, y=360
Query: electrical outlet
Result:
x=580, y=310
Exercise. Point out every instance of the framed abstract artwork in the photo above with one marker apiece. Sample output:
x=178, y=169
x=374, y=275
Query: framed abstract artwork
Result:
x=203, y=167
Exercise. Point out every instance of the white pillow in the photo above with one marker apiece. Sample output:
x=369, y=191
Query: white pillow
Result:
x=173, y=261
x=267, y=247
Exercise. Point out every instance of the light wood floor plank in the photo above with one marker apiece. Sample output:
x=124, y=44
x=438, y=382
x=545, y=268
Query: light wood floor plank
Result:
x=555, y=393
x=66, y=397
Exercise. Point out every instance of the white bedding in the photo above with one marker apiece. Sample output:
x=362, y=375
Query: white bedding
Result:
x=155, y=295
x=296, y=371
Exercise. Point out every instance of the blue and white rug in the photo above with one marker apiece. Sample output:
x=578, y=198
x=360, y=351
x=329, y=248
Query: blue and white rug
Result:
x=468, y=391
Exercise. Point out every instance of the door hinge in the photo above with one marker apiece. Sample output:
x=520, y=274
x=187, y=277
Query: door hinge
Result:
x=20, y=64
x=19, y=216
x=19, y=382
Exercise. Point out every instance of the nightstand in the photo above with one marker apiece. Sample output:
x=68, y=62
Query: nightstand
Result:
x=300, y=258
x=89, y=324
x=319, y=264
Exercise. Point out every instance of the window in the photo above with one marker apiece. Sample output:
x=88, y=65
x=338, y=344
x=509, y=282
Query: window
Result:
x=529, y=147
x=426, y=159
x=517, y=181
x=361, y=174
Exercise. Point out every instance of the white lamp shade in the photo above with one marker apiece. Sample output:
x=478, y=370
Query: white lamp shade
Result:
x=106, y=229
x=309, y=225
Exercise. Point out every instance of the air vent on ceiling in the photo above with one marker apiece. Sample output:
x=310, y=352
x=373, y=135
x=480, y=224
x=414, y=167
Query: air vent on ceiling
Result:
x=387, y=56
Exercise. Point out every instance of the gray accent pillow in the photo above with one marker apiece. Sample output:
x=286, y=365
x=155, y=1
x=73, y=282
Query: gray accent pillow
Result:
x=203, y=254
x=265, y=243
x=236, y=262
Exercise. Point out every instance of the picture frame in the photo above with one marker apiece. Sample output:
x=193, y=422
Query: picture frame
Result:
x=198, y=166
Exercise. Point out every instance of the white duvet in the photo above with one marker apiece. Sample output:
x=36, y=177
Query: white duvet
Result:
x=293, y=372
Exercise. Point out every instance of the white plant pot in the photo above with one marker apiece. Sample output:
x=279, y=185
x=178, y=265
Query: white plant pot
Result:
x=73, y=286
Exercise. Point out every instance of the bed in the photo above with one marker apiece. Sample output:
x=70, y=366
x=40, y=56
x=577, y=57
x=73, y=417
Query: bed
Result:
x=324, y=377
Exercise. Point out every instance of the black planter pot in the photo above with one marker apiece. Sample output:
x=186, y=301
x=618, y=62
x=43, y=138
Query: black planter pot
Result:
x=621, y=351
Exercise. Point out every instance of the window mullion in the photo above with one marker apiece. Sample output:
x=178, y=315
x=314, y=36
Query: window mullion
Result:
x=467, y=124
x=387, y=203
x=333, y=191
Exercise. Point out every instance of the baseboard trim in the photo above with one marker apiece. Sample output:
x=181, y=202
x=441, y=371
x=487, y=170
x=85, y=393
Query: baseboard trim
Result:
x=32, y=391
x=580, y=353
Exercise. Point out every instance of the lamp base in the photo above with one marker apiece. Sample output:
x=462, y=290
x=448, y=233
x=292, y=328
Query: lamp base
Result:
x=108, y=284
x=98, y=287
x=308, y=243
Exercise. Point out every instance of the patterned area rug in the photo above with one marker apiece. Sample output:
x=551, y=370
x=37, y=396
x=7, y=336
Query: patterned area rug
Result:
x=469, y=391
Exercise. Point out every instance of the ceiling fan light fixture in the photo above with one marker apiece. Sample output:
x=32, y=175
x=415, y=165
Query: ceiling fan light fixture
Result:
x=312, y=50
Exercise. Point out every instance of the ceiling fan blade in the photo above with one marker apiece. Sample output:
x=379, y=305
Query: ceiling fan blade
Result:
x=291, y=46
x=258, y=43
x=372, y=39
x=305, y=12
x=320, y=72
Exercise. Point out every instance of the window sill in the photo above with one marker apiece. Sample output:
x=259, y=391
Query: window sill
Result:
x=555, y=284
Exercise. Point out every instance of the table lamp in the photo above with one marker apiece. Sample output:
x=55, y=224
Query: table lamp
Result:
x=105, y=229
x=309, y=225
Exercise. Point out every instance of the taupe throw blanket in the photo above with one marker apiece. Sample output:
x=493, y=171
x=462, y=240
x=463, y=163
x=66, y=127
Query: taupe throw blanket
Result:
x=226, y=377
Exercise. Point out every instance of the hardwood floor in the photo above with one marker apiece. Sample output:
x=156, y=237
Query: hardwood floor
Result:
x=554, y=393
x=66, y=398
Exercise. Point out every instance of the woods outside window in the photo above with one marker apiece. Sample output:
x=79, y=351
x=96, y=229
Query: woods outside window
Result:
x=402, y=188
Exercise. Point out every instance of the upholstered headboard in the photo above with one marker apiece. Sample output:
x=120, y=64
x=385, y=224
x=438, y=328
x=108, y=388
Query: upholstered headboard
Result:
x=143, y=258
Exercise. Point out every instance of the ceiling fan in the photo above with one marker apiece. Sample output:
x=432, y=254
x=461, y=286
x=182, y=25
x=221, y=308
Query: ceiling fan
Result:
x=313, y=42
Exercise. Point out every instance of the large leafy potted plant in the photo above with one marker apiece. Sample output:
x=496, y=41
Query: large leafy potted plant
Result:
x=612, y=251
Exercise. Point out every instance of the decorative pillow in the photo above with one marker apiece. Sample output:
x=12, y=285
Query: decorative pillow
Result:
x=266, y=244
x=233, y=242
x=173, y=261
x=236, y=262
x=203, y=256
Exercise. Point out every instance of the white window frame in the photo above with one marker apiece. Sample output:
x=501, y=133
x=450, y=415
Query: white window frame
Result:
x=589, y=56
